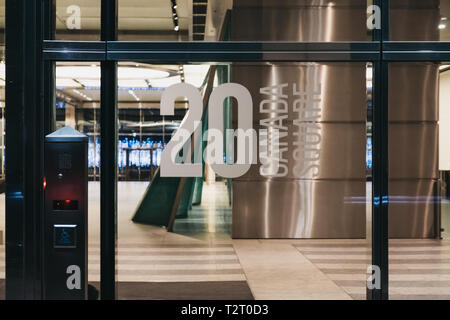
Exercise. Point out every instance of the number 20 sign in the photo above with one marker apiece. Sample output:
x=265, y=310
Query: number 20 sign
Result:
x=246, y=136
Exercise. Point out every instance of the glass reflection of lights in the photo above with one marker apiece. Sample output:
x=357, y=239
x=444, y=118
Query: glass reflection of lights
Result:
x=369, y=153
x=141, y=154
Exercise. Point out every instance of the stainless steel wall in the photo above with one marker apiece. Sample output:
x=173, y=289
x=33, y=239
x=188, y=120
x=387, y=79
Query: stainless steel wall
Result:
x=413, y=150
x=414, y=207
x=414, y=20
x=299, y=20
x=330, y=204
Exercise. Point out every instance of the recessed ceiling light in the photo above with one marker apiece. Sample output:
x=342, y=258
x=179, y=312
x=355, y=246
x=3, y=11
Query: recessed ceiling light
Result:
x=88, y=72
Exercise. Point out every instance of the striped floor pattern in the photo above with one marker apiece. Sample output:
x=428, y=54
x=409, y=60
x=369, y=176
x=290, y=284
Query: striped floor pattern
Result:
x=418, y=269
x=171, y=271
x=166, y=263
x=172, y=263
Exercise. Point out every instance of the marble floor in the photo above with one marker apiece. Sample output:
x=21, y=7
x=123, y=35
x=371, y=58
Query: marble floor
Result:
x=201, y=249
x=418, y=269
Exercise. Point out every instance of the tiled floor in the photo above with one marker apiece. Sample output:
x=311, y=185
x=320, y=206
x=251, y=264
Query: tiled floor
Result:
x=276, y=270
x=418, y=269
x=173, y=263
x=201, y=249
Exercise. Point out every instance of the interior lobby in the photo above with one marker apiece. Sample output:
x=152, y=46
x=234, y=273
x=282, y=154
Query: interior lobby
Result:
x=311, y=233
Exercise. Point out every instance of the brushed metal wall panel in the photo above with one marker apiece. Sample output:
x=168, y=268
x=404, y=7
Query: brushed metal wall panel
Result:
x=342, y=88
x=413, y=91
x=413, y=208
x=305, y=208
x=299, y=21
x=341, y=150
x=413, y=146
x=413, y=150
x=329, y=207
x=299, y=209
x=299, y=3
x=414, y=20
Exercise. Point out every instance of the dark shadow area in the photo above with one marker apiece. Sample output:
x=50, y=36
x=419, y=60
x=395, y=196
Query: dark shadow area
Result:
x=229, y=290
x=213, y=290
x=2, y=289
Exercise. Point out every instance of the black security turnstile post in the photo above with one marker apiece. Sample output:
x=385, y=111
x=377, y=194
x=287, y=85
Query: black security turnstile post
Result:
x=65, y=215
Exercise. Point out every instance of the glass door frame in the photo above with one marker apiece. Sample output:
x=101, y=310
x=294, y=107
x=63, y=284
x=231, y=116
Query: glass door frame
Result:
x=36, y=60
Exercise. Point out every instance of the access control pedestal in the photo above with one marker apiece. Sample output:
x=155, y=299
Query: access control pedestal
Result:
x=65, y=215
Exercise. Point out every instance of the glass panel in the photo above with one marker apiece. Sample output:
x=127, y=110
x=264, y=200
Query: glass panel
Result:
x=78, y=106
x=77, y=20
x=312, y=214
x=418, y=20
x=418, y=175
x=243, y=20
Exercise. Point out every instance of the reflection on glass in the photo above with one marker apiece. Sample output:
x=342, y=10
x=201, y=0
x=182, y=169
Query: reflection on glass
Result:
x=77, y=20
x=322, y=199
x=143, y=132
x=77, y=94
x=418, y=20
x=330, y=212
x=418, y=181
x=243, y=20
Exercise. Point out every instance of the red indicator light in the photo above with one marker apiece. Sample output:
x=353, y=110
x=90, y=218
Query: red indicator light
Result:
x=65, y=204
x=45, y=183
